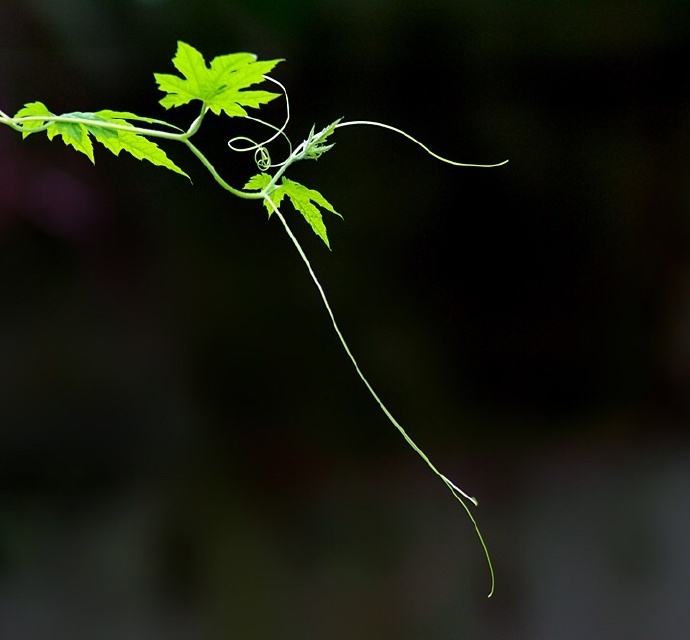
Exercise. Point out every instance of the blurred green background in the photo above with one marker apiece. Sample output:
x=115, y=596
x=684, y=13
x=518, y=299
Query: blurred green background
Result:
x=185, y=452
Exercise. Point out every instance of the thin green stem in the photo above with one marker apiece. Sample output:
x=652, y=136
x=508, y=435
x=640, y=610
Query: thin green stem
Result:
x=458, y=493
x=248, y=195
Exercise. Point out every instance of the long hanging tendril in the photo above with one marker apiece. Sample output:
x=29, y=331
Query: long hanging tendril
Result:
x=312, y=148
x=456, y=491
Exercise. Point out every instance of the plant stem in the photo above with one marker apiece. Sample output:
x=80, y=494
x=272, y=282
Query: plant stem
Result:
x=458, y=493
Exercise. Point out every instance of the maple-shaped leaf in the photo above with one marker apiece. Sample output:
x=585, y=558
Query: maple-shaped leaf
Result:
x=73, y=134
x=306, y=201
x=258, y=182
x=32, y=110
x=80, y=126
x=222, y=86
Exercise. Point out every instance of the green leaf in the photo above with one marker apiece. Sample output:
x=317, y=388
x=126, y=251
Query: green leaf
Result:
x=140, y=147
x=306, y=201
x=73, y=134
x=221, y=87
x=313, y=145
x=261, y=181
x=258, y=182
x=116, y=140
x=81, y=125
x=32, y=109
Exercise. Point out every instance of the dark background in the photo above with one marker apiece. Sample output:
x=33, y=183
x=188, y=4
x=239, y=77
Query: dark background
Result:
x=185, y=451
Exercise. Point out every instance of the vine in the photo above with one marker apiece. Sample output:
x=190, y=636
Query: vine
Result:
x=223, y=86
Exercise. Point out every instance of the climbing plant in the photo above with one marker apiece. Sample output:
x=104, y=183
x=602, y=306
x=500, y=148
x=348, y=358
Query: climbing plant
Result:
x=226, y=86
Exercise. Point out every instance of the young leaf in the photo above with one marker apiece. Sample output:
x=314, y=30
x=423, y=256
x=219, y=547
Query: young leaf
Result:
x=306, y=201
x=261, y=181
x=32, y=109
x=258, y=182
x=221, y=87
x=313, y=145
